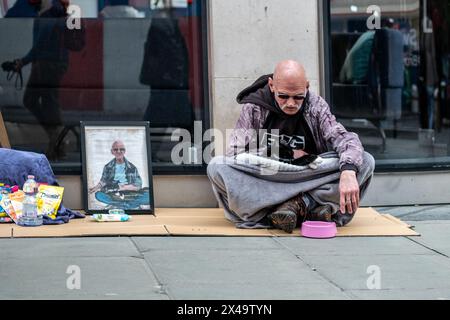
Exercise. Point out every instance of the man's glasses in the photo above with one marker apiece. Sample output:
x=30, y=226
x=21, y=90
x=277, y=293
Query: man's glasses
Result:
x=119, y=149
x=284, y=96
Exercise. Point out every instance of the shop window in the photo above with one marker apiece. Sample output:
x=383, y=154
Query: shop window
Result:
x=389, y=78
x=138, y=60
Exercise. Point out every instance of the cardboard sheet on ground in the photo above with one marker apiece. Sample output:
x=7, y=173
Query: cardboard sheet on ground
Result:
x=200, y=222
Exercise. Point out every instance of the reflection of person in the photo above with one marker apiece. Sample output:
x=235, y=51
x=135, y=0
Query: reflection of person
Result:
x=430, y=76
x=120, y=9
x=23, y=8
x=120, y=185
x=283, y=101
x=49, y=59
x=165, y=69
x=356, y=64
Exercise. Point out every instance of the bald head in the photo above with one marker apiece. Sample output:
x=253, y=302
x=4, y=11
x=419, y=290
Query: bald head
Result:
x=289, y=85
x=118, y=143
x=289, y=70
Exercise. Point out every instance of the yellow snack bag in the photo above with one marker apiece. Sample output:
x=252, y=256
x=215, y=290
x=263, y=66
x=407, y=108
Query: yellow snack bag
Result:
x=48, y=200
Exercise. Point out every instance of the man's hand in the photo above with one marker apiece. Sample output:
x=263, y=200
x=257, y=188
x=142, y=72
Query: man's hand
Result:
x=299, y=153
x=349, y=192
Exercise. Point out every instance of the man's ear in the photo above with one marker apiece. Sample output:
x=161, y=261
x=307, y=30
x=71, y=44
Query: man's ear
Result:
x=270, y=82
x=307, y=84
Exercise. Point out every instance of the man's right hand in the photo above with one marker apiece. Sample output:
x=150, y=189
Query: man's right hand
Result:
x=349, y=192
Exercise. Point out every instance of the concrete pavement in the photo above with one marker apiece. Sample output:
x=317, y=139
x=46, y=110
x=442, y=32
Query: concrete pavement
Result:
x=235, y=267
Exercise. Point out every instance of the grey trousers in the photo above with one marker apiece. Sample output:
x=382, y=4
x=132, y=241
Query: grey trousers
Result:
x=248, y=197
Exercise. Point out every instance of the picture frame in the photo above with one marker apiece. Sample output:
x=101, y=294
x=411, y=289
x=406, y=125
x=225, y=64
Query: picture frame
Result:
x=117, y=170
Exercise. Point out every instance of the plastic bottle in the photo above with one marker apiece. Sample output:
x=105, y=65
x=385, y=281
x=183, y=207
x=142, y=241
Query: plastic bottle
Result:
x=30, y=216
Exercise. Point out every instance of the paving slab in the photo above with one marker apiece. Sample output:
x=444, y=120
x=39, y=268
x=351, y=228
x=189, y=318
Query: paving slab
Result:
x=265, y=290
x=205, y=243
x=230, y=267
x=354, y=246
x=67, y=247
x=435, y=235
x=100, y=278
x=418, y=213
x=238, y=274
x=406, y=272
x=424, y=294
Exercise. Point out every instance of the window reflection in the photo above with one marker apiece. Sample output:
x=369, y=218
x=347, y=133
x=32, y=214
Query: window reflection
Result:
x=391, y=84
x=165, y=70
x=120, y=9
x=141, y=60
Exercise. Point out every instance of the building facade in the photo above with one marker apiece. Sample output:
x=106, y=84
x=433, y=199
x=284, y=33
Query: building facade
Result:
x=383, y=66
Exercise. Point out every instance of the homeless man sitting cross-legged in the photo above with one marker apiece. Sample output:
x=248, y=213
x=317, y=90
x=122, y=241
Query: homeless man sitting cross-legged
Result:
x=329, y=192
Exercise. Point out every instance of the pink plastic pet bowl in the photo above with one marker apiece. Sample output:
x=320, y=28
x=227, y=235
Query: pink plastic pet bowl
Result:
x=318, y=229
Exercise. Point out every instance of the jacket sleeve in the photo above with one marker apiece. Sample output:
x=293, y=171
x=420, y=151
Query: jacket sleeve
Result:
x=245, y=132
x=106, y=176
x=346, y=144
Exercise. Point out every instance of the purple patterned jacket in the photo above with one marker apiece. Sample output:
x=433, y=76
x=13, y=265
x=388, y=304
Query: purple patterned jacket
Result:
x=329, y=135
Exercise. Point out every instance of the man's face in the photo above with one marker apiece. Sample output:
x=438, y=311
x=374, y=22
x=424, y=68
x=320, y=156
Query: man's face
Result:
x=118, y=150
x=289, y=93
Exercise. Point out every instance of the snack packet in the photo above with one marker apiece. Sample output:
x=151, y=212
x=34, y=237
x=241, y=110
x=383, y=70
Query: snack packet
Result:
x=3, y=214
x=6, y=220
x=17, y=196
x=7, y=206
x=48, y=200
x=111, y=217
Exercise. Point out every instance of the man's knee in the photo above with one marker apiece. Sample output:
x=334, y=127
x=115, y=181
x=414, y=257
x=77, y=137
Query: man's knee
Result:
x=214, y=165
x=102, y=197
x=368, y=162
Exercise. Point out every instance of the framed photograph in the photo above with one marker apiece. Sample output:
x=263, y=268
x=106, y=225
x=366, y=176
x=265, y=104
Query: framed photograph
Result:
x=117, y=171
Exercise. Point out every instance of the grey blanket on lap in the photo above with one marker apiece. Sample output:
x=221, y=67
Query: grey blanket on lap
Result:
x=248, y=190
